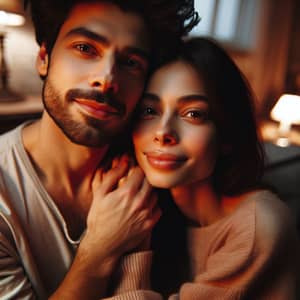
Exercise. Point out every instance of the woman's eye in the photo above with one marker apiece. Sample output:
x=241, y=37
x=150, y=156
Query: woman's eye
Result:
x=197, y=115
x=146, y=112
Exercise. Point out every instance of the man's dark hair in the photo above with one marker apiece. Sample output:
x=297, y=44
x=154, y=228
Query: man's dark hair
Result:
x=166, y=20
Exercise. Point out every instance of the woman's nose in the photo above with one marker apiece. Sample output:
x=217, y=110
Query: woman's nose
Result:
x=166, y=135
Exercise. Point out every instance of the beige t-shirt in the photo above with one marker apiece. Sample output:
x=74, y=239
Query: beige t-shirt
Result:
x=36, y=250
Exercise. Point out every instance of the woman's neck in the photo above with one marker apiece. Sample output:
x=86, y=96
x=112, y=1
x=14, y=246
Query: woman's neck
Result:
x=199, y=202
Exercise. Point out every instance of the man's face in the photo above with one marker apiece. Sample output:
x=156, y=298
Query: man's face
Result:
x=96, y=72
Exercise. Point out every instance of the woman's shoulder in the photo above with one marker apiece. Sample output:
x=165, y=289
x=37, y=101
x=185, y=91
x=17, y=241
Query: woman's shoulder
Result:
x=274, y=221
x=266, y=206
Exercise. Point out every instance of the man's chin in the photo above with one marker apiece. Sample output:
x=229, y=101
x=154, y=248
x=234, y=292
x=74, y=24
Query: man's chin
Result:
x=90, y=140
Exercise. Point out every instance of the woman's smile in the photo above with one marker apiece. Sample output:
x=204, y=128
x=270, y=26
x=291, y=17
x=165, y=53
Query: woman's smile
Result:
x=165, y=161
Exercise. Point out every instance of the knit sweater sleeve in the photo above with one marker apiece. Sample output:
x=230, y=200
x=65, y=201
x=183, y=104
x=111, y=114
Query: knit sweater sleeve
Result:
x=131, y=281
x=250, y=257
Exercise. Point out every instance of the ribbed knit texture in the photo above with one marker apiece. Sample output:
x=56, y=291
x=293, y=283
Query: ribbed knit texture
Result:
x=134, y=272
x=249, y=254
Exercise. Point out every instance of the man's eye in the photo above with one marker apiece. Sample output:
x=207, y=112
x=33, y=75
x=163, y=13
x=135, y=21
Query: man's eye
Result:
x=85, y=49
x=133, y=64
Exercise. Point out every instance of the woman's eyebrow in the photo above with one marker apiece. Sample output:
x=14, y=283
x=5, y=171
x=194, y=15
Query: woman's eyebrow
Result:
x=181, y=100
x=193, y=97
x=150, y=96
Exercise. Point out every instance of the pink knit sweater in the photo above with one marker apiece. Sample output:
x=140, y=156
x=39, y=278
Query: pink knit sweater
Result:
x=249, y=254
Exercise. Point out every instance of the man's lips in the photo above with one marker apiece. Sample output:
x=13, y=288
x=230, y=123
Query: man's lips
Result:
x=165, y=161
x=97, y=109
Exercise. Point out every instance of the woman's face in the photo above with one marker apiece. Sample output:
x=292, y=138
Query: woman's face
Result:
x=174, y=139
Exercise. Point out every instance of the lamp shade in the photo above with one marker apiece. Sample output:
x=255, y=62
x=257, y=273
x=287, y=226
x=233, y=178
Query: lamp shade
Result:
x=11, y=13
x=287, y=109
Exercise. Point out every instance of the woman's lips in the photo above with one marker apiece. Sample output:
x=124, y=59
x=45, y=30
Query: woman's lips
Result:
x=96, y=109
x=165, y=161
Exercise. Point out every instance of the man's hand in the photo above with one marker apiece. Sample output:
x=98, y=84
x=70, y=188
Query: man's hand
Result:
x=121, y=217
x=122, y=213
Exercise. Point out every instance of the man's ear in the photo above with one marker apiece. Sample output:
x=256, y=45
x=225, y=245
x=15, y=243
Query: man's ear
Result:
x=42, y=61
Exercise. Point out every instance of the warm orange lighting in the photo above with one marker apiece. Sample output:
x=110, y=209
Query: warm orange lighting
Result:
x=11, y=19
x=11, y=13
x=287, y=112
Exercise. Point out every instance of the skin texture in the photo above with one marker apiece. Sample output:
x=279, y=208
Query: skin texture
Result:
x=100, y=55
x=97, y=57
x=176, y=142
x=174, y=121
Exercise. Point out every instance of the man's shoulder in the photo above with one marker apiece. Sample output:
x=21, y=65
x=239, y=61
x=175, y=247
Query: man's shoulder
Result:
x=8, y=139
x=10, y=158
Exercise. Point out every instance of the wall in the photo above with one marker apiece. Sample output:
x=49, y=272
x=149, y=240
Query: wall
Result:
x=20, y=52
x=265, y=65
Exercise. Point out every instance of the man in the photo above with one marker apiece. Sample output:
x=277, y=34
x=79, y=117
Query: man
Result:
x=94, y=58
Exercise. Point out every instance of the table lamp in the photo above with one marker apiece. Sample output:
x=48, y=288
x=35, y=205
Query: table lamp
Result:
x=287, y=112
x=11, y=14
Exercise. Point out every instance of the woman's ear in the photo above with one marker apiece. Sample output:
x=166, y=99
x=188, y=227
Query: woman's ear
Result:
x=42, y=61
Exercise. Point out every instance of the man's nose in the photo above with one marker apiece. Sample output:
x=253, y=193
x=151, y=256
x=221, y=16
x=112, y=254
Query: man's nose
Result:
x=103, y=77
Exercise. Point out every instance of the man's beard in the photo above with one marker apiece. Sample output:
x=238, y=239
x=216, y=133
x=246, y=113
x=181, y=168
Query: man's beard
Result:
x=84, y=130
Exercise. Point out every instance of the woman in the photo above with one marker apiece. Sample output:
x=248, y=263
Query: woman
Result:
x=196, y=136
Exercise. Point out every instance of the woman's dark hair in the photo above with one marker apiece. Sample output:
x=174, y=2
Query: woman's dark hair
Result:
x=167, y=20
x=240, y=164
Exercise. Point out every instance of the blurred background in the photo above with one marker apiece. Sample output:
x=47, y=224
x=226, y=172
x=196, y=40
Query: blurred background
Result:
x=262, y=37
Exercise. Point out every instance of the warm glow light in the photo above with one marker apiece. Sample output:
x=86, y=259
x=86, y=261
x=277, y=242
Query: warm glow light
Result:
x=11, y=19
x=287, y=109
x=287, y=112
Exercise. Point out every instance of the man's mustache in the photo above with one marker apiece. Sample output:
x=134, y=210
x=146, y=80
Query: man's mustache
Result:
x=106, y=98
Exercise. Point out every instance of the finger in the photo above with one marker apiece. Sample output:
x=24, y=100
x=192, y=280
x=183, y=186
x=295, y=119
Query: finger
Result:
x=115, y=162
x=144, y=196
x=97, y=180
x=134, y=180
x=152, y=200
x=112, y=177
x=122, y=181
x=153, y=218
x=132, y=162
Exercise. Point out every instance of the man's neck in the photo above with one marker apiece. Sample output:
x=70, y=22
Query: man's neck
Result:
x=55, y=156
x=65, y=169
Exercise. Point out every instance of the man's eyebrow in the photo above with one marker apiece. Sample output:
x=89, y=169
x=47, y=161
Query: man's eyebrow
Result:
x=89, y=34
x=103, y=40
